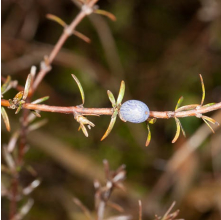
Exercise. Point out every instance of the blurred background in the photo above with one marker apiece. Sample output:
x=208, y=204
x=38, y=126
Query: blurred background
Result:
x=158, y=48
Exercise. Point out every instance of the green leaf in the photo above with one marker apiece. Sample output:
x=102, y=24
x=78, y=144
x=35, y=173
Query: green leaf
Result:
x=148, y=136
x=184, y=133
x=203, y=89
x=80, y=88
x=105, y=13
x=179, y=102
x=19, y=107
x=121, y=93
x=210, y=120
x=209, y=104
x=111, y=98
x=43, y=99
x=27, y=86
x=82, y=36
x=208, y=125
x=187, y=107
x=6, y=86
x=56, y=19
x=111, y=125
x=35, y=113
x=177, y=131
x=5, y=119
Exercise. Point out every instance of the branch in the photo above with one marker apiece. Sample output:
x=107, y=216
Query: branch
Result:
x=109, y=111
x=67, y=32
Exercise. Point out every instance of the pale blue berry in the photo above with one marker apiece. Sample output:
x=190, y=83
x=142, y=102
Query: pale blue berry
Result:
x=134, y=111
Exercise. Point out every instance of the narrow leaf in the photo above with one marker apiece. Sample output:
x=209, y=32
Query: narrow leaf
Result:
x=177, y=131
x=24, y=210
x=105, y=13
x=82, y=207
x=179, y=102
x=121, y=93
x=35, y=113
x=111, y=125
x=82, y=36
x=148, y=136
x=115, y=206
x=27, y=190
x=37, y=125
x=121, y=168
x=120, y=186
x=84, y=130
x=43, y=99
x=208, y=125
x=27, y=86
x=209, y=104
x=187, y=107
x=184, y=133
x=13, y=141
x=80, y=87
x=203, y=89
x=31, y=170
x=111, y=98
x=119, y=176
x=8, y=158
x=56, y=19
x=31, y=118
x=19, y=108
x=210, y=120
x=84, y=120
x=5, y=119
x=6, y=86
x=166, y=215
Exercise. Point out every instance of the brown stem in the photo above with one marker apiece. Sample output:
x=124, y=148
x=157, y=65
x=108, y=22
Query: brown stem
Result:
x=13, y=203
x=109, y=111
x=60, y=43
x=22, y=142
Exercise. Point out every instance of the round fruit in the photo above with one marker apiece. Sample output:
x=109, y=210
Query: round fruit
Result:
x=134, y=111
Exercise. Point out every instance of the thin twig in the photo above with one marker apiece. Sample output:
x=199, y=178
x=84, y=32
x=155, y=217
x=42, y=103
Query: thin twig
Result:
x=109, y=111
x=60, y=43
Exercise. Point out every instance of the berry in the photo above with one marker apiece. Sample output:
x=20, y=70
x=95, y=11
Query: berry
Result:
x=134, y=111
